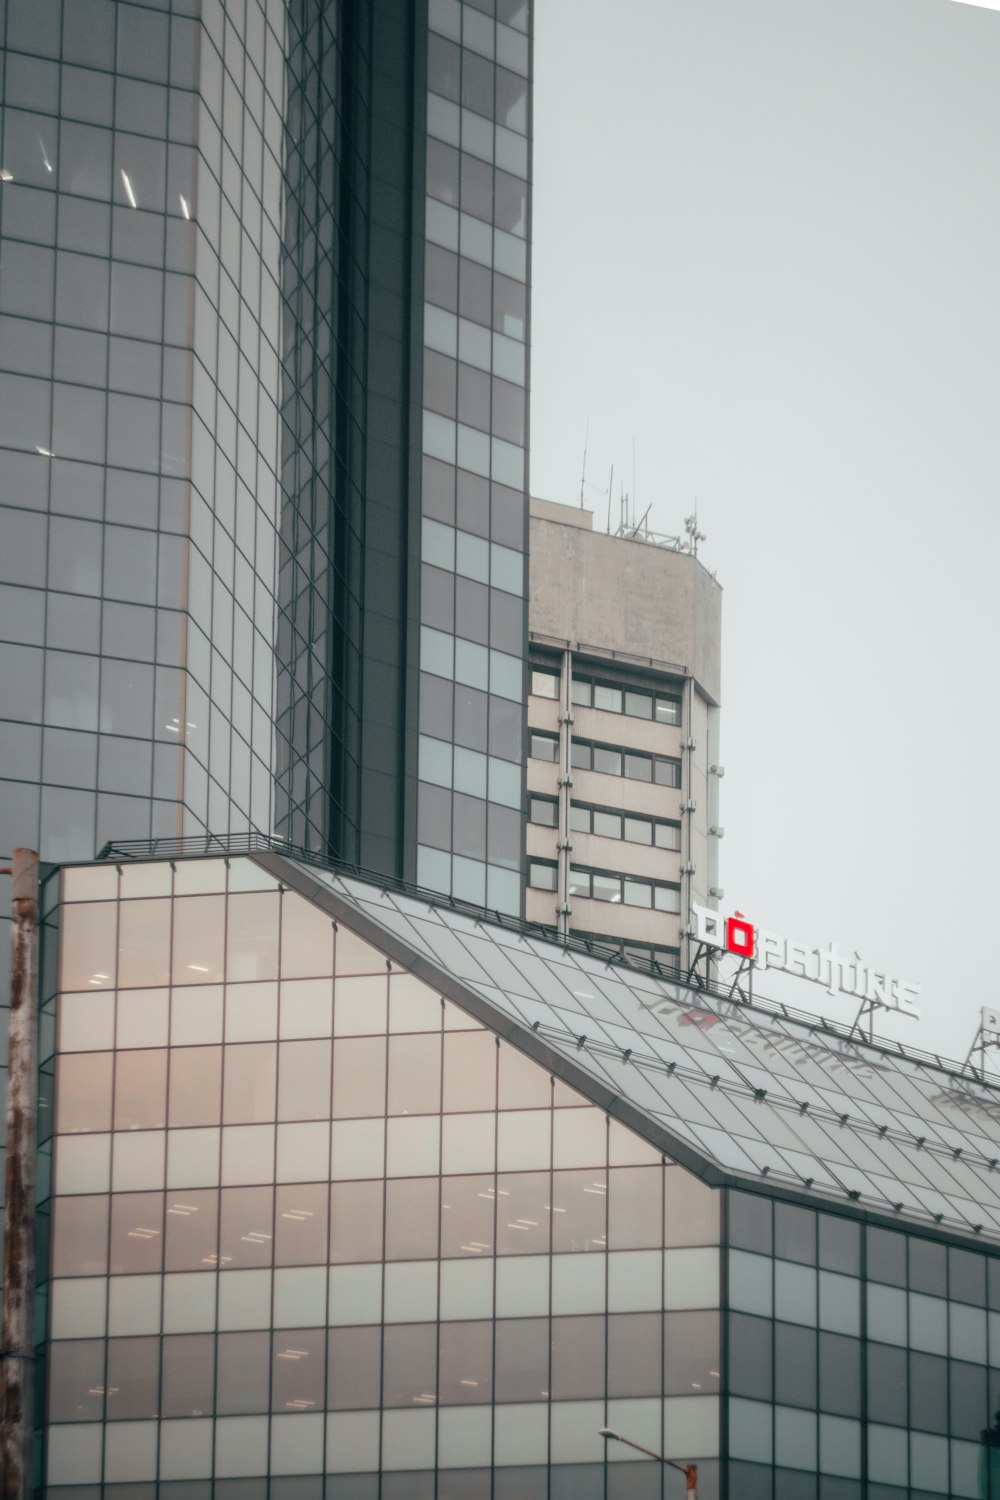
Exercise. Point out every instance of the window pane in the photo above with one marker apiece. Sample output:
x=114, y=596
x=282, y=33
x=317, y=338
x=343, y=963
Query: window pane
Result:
x=195, y=1085
x=191, y=1230
x=246, y=1227
x=638, y=705
x=579, y=882
x=609, y=698
x=581, y=693
x=667, y=772
x=136, y=1232
x=541, y=877
x=668, y=710
x=638, y=893
x=242, y=1373
x=356, y=1221
x=543, y=811
x=410, y=1361
x=141, y=1090
x=577, y=1358
x=608, y=825
x=607, y=760
x=668, y=836
x=304, y=1080
x=133, y=1378
x=545, y=684
x=187, y=1375
x=579, y=819
x=249, y=1083
x=414, y=1074
x=466, y=1363
x=607, y=887
x=470, y=1064
x=580, y=755
x=665, y=898
x=635, y=1354
x=522, y=1359
x=83, y=1092
x=638, y=767
x=300, y=1215
x=638, y=831
x=354, y=1369
x=544, y=747
x=298, y=1370
x=358, y=1077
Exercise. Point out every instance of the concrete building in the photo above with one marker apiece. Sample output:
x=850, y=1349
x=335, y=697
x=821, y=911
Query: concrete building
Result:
x=357, y=1195
x=623, y=718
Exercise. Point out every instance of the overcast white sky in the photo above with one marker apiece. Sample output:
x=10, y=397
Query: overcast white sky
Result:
x=766, y=252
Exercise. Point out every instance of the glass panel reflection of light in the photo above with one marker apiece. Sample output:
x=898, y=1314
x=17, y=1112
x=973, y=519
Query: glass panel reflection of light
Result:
x=190, y=1228
x=199, y=929
x=467, y=1216
x=88, y=940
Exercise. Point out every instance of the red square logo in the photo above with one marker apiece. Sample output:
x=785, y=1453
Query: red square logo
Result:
x=740, y=937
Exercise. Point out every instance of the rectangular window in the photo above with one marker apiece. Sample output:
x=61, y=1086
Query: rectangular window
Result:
x=667, y=898
x=541, y=877
x=608, y=698
x=607, y=887
x=608, y=825
x=668, y=710
x=667, y=772
x=544, y=684
x=638, y=893
x=581, y=693
x=668, y=836
x=638, y=767
x=579, y=882
x=607, y=760
x=638, y=705
x=544, y=746
x=580, y=755
x=638, y=831
x=579, y=819
x=542, y=810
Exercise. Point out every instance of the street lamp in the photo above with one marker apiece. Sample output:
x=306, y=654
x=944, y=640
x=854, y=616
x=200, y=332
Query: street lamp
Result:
x=690, y=1471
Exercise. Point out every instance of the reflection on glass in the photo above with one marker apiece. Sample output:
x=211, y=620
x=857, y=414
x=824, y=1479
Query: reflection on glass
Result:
x=88, y=939
x=136, y=1232
x=133, y=1388
x=468, y=1205
x=76, y=1381
x=300, y=1219
x=245, y=1227
x=579, y=1204
x=466, y=1364
x=191, y=1226
x=199, y=930
x=297, y=1369
x=409, y=1365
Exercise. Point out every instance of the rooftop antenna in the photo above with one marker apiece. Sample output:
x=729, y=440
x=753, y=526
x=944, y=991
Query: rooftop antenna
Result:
x=583, y=471
x=691, y=527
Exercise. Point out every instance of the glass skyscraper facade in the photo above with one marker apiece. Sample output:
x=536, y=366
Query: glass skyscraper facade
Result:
x=255, y=254
x=353, y=1194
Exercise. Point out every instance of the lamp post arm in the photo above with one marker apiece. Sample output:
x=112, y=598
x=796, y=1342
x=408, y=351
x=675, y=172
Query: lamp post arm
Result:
x=690, y=1471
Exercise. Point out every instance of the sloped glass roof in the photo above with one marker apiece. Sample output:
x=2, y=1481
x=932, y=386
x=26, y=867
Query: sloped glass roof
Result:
x=732, y=1090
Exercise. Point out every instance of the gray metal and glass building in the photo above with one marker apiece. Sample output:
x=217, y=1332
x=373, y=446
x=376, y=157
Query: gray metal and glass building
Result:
x=360, y=1195
x=263, y=371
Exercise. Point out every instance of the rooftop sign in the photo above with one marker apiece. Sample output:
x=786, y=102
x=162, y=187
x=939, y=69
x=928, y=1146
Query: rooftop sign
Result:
x=838, y=973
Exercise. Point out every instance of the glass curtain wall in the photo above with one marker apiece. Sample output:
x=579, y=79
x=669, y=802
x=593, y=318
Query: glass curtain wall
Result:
x=323, y=417
x=862, y=1361
x=474, y=508
x=310, y=1221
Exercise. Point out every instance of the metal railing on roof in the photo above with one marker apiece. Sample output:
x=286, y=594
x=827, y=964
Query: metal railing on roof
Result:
x=199, y=845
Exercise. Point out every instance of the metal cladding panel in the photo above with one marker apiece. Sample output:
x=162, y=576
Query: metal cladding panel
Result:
x=738, y=1093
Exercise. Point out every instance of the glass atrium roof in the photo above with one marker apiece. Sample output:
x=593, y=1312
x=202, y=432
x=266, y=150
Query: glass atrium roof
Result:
x=733, y=1091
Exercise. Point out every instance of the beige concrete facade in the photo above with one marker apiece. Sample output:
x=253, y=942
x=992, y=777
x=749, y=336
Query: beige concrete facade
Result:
x=621, y=614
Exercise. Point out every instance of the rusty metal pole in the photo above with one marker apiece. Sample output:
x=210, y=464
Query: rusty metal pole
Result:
x=17, y=1352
